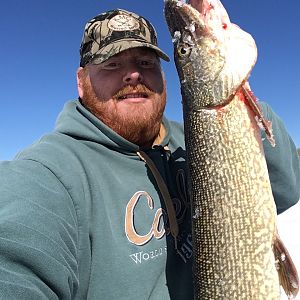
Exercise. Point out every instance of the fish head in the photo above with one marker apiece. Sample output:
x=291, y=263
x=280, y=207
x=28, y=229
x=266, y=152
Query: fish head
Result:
x=213, y=57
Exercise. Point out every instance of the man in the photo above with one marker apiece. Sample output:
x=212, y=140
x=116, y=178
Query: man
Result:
x=85, y=212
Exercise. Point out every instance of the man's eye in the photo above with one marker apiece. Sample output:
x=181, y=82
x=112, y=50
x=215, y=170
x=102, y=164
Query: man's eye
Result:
x=111, y=65
x=147, y=63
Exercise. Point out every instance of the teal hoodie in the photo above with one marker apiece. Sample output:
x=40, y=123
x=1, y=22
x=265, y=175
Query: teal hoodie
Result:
x=81, y=216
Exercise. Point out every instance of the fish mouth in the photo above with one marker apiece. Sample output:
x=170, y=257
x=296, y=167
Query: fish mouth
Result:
x=218, y=55
x=197, y=17
x=179, y=15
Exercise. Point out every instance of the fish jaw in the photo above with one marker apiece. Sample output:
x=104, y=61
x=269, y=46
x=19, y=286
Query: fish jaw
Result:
x=213, y=56
x=211, y=10
x=213, y=15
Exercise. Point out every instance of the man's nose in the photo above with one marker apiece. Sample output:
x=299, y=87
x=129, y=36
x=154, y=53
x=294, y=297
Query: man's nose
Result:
x=133, y=76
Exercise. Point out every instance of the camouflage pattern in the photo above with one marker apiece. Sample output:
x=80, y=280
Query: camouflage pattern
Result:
x=114, y=31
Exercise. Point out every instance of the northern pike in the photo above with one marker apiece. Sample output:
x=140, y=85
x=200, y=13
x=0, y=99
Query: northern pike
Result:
x=233, y=211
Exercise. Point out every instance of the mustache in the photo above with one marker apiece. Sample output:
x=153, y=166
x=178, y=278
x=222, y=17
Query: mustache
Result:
x=128, y=89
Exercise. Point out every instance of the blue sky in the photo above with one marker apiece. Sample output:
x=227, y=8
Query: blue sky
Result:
x=39, y=58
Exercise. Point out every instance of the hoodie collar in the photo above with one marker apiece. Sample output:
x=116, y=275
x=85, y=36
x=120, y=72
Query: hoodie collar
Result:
x=76, y=121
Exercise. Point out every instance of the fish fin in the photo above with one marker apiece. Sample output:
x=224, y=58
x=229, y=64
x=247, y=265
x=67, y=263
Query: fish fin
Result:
x=287, y=272
x=260, y=119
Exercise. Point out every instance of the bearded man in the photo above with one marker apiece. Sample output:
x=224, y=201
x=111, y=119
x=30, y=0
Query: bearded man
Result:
x=99, y=208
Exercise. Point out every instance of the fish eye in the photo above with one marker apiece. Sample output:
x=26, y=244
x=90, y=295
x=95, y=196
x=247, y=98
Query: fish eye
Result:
x=184, y=50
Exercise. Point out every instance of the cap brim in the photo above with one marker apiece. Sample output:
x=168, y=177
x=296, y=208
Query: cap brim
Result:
x=114, y=48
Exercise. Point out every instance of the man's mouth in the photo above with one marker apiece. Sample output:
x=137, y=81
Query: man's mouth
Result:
x=133, y=95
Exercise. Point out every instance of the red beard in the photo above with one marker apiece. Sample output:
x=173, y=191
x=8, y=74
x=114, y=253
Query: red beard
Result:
x=139, y=125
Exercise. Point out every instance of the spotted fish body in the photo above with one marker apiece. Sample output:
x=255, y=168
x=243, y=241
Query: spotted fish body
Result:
x=233, y=210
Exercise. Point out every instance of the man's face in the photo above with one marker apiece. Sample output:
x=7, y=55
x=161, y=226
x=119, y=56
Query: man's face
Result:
x=127, y=92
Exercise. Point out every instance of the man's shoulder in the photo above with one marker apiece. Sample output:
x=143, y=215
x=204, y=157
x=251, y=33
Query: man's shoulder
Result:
x=175, y=127
x=176, y=124
x=53, y=151
x=176, y=135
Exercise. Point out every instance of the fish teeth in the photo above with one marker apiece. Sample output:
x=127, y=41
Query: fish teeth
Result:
x=188, y=40
x=179, y=3
x=176, y=36
x=191, y=27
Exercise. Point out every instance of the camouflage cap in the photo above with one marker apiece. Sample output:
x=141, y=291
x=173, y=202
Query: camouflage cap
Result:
x=114, y=31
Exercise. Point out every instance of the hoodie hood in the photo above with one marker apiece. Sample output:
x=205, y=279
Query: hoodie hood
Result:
x=77, y=122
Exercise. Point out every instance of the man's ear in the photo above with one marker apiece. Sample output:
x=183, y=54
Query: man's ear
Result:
x=81, y=76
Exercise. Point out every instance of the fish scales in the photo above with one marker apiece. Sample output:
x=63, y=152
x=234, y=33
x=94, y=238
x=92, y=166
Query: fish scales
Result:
x=233, y=210
x=233, y=217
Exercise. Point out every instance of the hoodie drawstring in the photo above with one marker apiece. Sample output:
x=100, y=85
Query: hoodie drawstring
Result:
x=165, y=194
